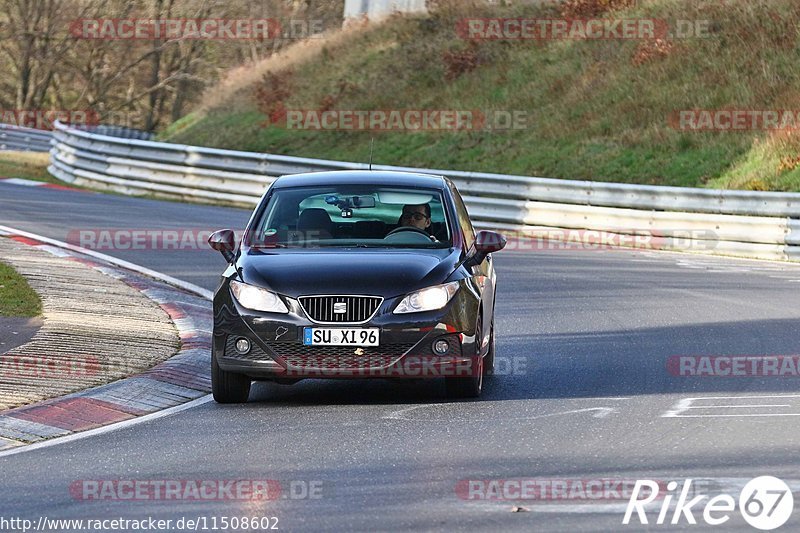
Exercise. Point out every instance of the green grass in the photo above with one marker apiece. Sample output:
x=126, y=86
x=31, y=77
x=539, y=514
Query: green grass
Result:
x=27, y=165
x=593, y=112
x=17, y=299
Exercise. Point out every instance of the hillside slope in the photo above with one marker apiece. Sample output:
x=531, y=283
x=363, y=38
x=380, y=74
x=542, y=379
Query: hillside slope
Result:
x=598, y=109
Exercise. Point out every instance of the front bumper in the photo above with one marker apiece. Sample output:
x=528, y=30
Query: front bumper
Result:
x=277, y=351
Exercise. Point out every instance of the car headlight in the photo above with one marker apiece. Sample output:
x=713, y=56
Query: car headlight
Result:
x=257, y=299
x=428, y=299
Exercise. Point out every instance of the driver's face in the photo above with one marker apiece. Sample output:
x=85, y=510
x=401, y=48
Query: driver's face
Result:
x=414, y=215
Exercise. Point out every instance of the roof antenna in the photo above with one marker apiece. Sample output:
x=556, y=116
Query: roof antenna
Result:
x=371, y=149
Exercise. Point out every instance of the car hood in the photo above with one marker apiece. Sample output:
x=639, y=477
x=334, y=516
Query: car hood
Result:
x=386, y=273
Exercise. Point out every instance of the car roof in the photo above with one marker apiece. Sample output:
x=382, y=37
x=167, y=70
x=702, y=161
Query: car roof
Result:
x=361, y=177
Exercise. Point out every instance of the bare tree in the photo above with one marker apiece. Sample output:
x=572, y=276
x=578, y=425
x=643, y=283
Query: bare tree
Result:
x=36, y=42
x=43, y=63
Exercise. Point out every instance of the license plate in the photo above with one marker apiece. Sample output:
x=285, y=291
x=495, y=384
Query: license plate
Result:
x=340, y=336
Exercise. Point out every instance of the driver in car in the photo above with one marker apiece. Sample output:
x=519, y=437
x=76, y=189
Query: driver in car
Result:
x=417, y=216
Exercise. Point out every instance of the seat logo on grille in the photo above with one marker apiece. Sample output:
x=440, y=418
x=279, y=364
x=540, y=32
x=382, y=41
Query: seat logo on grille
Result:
x=359, y=351
x=340, y=308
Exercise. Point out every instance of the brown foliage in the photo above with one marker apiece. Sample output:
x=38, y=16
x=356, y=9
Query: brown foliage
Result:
x=788, y=164
x=330, y=100
x=459, y=62
x=593, y=8
x=271, y=93
x=652, y=49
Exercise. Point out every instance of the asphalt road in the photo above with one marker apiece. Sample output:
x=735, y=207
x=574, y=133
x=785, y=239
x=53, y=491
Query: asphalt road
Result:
x=584, y=393
x=16, y=331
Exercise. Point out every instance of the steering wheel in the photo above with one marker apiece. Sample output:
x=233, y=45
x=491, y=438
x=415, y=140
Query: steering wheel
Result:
x=408, y=228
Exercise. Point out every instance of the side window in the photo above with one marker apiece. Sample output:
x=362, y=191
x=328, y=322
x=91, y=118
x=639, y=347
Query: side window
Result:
x=463, y=218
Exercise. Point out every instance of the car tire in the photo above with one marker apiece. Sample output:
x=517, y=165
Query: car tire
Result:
x=469, y=387
x=488, y=361
x=228, y=387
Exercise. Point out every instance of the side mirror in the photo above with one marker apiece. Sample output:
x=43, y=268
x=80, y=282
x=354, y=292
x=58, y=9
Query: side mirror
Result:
x=486, y=242
x=224, y=241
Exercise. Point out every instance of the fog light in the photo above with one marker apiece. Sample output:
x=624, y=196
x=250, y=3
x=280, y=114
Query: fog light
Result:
x=242, y=345
x=441, y=347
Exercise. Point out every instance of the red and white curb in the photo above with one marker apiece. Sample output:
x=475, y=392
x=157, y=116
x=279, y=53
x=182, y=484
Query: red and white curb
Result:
x=180, y=379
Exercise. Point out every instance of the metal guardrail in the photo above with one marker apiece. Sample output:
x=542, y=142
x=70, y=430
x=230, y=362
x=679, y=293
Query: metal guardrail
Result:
x=24, y=139
x=122, y=132
x=744, y=223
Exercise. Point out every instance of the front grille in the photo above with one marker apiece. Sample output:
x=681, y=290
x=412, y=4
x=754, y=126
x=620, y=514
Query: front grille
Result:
x=351, y=309
x=341, y=357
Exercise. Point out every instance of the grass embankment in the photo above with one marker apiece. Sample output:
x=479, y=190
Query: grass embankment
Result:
x=595, y=109
x=17, y=299
x=27, y=165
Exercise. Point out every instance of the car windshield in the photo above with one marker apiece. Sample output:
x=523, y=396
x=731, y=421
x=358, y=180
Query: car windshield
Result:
x=352, y=216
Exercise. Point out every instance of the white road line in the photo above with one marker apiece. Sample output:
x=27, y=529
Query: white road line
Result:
x=739, y=415
x=756, y=396
x=109, y=428
x=400, y=413
x=733, y=406
x=21, y=181
x=685, y=404
x=602, y=412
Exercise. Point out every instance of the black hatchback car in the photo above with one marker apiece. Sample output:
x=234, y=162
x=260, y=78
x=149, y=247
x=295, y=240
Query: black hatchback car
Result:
x=355, y=274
